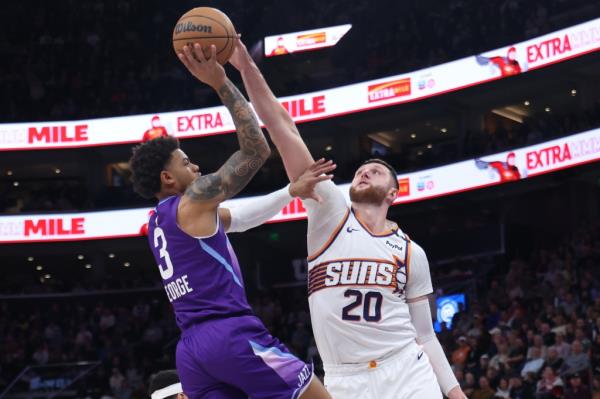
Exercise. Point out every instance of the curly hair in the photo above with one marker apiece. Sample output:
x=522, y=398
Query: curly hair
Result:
x=393, y=173
x=146, y=163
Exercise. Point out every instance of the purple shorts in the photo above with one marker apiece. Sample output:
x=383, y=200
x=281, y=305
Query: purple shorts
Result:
x=238, y=358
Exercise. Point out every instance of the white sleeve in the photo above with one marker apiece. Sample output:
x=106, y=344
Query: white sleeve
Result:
x=420, y=316
x=258, y=211
x=324, y=217
x=419, y=279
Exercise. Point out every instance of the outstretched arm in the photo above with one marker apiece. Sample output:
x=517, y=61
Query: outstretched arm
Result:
x=259, y=210
x=281, y=127
x=254, y=150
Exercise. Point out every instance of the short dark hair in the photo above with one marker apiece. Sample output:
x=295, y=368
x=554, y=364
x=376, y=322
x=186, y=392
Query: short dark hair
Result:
x=388, y=166
x=146, y=163
x=163, y=379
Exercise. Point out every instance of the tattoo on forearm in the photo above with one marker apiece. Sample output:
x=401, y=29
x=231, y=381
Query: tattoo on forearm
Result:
x=254, y=150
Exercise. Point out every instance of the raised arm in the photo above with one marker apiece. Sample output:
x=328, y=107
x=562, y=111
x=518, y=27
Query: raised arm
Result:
x=282, y=129
x=254, y=150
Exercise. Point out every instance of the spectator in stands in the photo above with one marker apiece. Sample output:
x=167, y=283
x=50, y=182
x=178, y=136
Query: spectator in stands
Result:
x=503, y=390
x=577, y=361
x=562, y=348
x=553, y=360
x=519, y=390
x=484, y=391
x=533, y=365
x=577, y=390
x=550, y=384
x=460, y=354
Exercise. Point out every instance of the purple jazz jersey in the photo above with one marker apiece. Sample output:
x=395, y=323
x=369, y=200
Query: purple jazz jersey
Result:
x=224, y=351
x=202, y=277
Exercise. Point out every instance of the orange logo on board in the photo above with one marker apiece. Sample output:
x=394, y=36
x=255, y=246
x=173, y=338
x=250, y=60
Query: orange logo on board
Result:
x=384, y=91
x=403, y=187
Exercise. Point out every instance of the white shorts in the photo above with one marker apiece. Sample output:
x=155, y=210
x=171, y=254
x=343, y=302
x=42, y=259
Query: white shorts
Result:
x=404, y=375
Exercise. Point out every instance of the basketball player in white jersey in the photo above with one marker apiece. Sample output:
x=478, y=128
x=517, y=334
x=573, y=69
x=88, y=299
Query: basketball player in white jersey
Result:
x=368, y=282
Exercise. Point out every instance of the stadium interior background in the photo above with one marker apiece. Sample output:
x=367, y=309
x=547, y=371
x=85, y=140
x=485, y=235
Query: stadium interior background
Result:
x=524, y=254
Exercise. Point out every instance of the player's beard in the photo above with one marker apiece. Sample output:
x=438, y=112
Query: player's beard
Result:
x=370, y=195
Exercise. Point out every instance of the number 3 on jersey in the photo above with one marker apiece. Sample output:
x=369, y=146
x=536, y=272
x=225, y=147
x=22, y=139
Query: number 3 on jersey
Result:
x=165, y=272
x=358, y=300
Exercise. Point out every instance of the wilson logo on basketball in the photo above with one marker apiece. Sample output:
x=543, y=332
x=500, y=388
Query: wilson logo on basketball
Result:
x=310, y=39
x=384, y=91
x=192, y=27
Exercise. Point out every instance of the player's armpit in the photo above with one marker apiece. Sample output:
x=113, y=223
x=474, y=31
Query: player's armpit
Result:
x=225, y=216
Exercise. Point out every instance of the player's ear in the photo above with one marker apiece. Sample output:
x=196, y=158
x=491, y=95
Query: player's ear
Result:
x=391, y=195
x=166, y=178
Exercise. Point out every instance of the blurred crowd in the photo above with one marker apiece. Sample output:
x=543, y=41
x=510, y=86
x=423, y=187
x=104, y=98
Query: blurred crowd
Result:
x=531, y=330
x=84, y=59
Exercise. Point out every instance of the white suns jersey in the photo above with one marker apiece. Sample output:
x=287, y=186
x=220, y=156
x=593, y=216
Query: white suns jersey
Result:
x=358, y=285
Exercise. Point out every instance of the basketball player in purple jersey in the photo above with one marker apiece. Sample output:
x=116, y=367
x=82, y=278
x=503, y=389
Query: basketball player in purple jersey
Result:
x=224, y=351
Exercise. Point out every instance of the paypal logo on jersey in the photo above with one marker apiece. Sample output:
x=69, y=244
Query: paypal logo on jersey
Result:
x=394, y=246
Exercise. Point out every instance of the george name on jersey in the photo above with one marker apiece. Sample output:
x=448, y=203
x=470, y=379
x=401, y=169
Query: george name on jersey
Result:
x=178, y=288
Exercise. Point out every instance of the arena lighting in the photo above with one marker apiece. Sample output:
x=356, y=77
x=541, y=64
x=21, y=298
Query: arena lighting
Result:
x=88, y=266
x=526, y=103
x=328, y=148
x=429, y=146
x=9, y=173
x=547, y=109
x=509, y=113
x=111, y=255
x=57, y=171
x=30, y=258
x=47, y=276
x=443, y=130
x=39, y=268
x=16, y=183
x=126, y=264
x=413, y=136
x=573, y=92
x=420, y=152
x=80, y=257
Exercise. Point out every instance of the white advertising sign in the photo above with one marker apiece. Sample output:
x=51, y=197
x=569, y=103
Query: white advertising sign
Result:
x=497, y=64
x=305, y=40
x=504, y=167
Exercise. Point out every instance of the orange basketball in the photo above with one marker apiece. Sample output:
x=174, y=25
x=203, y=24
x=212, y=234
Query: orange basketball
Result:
x=206, y=26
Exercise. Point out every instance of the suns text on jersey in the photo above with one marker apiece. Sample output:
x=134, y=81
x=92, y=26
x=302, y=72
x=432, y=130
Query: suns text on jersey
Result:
x=366, y=272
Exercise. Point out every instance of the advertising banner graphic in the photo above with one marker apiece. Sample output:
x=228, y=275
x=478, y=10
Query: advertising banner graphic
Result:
x=490, y=170
x=389, y=91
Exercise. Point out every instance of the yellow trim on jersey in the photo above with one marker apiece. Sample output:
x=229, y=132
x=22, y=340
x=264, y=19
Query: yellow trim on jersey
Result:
x=389, y=232
x=332, y=237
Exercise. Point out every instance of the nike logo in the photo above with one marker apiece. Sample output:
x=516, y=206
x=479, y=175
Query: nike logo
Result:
x=419, y=356
x=350, y=229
